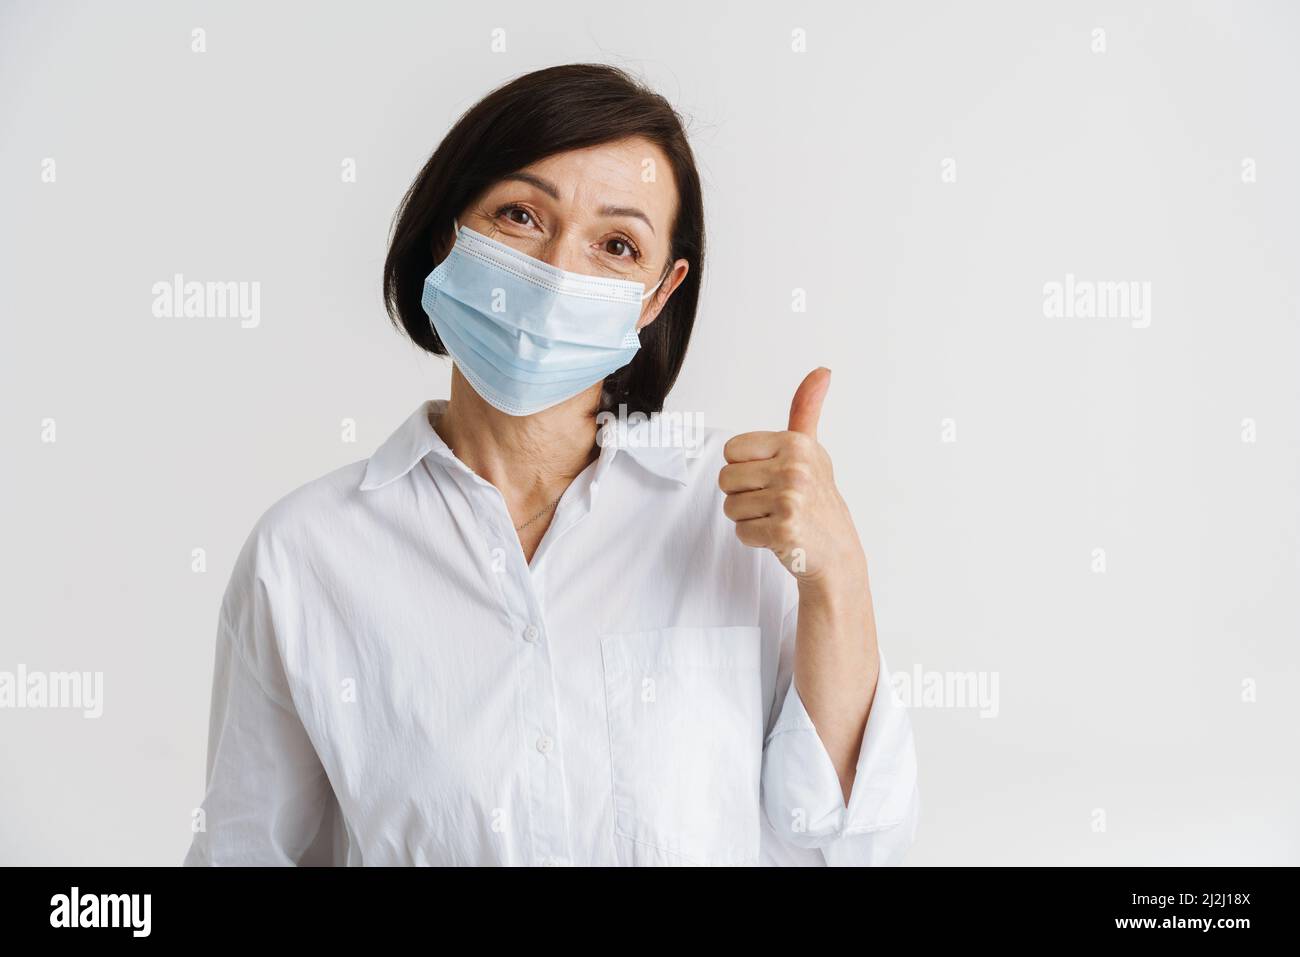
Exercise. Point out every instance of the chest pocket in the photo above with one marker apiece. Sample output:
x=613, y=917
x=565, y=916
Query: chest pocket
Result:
x=684, y=707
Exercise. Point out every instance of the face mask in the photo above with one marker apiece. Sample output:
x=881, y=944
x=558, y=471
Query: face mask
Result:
x=525, y=334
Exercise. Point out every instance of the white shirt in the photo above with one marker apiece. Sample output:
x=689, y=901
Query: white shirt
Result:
x=395, y=685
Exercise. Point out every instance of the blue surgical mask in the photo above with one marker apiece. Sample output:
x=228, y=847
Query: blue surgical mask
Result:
x=525, y=334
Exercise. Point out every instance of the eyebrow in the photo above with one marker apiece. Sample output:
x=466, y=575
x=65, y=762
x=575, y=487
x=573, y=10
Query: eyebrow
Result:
x=550, y=189
x=545, y=185
x=627, y=211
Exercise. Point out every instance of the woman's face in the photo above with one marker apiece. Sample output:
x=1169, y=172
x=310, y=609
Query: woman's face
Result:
x=603, y=211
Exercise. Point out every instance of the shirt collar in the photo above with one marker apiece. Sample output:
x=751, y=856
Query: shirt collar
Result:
x=416, y=438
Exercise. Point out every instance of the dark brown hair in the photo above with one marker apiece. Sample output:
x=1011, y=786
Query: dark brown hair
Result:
x=540, y=114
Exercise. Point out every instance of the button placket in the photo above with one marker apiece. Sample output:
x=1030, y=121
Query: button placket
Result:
x=522, y=589
x=550, y=838
x=545, y=765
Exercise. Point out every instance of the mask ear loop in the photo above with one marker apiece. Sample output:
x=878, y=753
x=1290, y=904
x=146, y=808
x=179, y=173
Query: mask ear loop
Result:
x=667, y=270
x=455, y=234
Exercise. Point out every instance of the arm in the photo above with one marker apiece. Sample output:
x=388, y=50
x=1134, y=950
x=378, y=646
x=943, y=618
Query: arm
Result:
x=839, y=761
x=837, y=664
x=803, y=794
x=268, y=801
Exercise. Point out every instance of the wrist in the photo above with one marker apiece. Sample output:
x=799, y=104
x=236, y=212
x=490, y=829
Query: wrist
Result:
x=837, y=593
x=836, y=580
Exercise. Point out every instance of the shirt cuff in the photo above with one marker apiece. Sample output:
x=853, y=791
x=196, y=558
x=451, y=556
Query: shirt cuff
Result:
x=802, y=797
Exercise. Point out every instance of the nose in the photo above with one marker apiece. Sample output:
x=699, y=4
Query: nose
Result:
x=566, y=251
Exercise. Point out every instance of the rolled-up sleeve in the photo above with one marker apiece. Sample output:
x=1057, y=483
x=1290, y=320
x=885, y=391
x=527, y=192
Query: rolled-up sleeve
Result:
x=268, y=800
x=802, y=797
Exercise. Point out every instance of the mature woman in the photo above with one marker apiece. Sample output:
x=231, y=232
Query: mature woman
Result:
x=501, y=640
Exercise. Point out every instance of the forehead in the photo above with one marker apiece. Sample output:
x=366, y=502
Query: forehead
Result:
x=631, y=171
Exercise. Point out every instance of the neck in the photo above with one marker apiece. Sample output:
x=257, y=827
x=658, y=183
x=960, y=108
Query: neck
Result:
x=528, y=458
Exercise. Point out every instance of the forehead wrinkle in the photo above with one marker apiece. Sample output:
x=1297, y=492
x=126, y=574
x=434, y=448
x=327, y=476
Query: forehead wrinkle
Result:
x=580, y=177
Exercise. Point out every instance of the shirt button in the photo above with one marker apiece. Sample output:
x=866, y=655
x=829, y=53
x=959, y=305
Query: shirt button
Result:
x=530, y=633
x=545, y=744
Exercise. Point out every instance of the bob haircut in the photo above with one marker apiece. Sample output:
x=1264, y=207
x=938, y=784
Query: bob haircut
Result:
x=551, y=111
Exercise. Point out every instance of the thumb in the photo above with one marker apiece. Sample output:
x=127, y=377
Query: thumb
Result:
x=806, y=407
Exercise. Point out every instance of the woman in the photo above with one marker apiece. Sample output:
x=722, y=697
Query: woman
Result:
x=502, y=641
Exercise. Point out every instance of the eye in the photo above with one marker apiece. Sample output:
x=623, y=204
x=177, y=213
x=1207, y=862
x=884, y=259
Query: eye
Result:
x=622, y=248
x=518, y=215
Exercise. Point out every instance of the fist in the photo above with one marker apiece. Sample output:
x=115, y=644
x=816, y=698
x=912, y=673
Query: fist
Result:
x=780, y=492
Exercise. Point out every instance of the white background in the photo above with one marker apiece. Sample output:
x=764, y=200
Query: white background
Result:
x=1120, y=692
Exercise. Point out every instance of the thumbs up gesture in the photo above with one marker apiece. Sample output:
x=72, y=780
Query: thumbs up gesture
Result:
x=781, y=493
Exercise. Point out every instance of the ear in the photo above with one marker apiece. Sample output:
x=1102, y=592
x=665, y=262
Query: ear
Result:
x=655, y=304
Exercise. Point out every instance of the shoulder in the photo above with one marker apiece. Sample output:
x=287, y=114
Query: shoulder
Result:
x=705, y=453
x=289, y=533
x=307, y=507
x=704, y=461
x=703, y=450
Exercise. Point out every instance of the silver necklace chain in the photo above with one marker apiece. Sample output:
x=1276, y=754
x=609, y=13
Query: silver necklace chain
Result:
x=539, y=514
x=519, y=528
